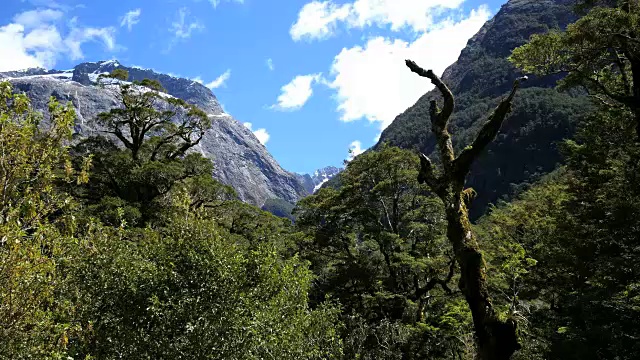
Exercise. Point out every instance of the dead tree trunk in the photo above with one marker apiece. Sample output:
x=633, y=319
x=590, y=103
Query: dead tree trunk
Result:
x=496, y=339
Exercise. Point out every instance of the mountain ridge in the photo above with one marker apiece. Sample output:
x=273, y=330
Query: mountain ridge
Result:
x=313, y=182
x=240, y=160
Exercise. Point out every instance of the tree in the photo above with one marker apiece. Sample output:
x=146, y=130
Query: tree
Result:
x=164, y=127
x=71, y=287
x=193, y=290
x=524, y=246
x=34, y=224
x=581, y=299
x=599, y=248
x=146, y=153
x=600, y=52
x=377, y=246
x=496, y=337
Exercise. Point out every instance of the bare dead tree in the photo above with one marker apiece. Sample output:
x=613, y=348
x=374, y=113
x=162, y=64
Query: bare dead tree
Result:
x=496, y=339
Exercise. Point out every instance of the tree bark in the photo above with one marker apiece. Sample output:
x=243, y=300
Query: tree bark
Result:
x=496, y=339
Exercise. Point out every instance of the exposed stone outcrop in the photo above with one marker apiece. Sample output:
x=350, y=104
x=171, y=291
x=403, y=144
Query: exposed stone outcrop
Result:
x=240, y=160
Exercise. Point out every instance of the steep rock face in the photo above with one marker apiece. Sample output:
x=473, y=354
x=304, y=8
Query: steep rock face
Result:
x=240, y=159
x=313, y=182
x=527, y=146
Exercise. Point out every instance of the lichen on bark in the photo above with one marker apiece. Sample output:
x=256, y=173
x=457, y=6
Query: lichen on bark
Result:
x=496, y=338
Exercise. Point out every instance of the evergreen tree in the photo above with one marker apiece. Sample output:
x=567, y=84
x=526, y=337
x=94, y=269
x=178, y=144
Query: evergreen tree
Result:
x=600, y=52
x=146, y=153
x=377, y=246
x=35, y=225
x=71, y=287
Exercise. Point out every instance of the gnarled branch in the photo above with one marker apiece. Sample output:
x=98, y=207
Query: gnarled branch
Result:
x=427, y=175
x=447, y=110
x=439, y=117
x=486, y=135
x=496, y=338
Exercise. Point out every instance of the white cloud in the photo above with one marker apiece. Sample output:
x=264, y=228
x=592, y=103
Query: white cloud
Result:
x=261, y=134
x=296, y=93
x=372, y=81
x=412, y=14
x=220, y=81
x=270, y=64
x=131, y=18
x=15, y=54
x=355, y=149
x=34, y=39
x=54, y=4
x=319, y=20
x=182, y=28
x=35, y=18
x=215, y=3
x=79, y=36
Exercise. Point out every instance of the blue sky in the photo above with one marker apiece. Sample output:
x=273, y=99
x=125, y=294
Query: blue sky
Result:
x=313, y=78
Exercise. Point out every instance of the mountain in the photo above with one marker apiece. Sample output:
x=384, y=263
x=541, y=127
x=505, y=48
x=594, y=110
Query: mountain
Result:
x=313, y=182
x=240, y=160
x=527, y=146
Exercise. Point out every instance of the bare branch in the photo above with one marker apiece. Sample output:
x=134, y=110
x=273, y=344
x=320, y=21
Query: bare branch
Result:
x=444, y=90
x=486, y=135
x=427, y=176
x=444, y=283
x=118, y=133
x=439, y=118
x=626, y=37
x=602, y=100
x=626, y=100
x=496, y=338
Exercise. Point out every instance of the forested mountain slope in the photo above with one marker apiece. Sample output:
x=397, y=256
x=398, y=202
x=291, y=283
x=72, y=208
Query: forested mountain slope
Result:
x=526, y=147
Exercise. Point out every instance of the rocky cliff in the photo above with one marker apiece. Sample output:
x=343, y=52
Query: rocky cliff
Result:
x=240, y=160
x=313, y=182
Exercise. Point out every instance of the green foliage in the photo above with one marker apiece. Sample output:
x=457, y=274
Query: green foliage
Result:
x=573, y=50
x=526, y=147
x=604, y=228
x=593, y=50
x=599, y=52
x=377, y=246
x=216, y=280
x=588, y=288
x=152, y=161
x=192, y=291
x=118, y=74
x=579, y=293
x=280, y=208
x=366, y=271
x=518, y=238
x=33, y=230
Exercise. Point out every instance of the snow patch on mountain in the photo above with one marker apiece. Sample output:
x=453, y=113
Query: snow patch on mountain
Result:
x=313, y=182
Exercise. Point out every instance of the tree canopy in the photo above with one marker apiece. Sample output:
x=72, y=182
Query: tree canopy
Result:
x=124, y=246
